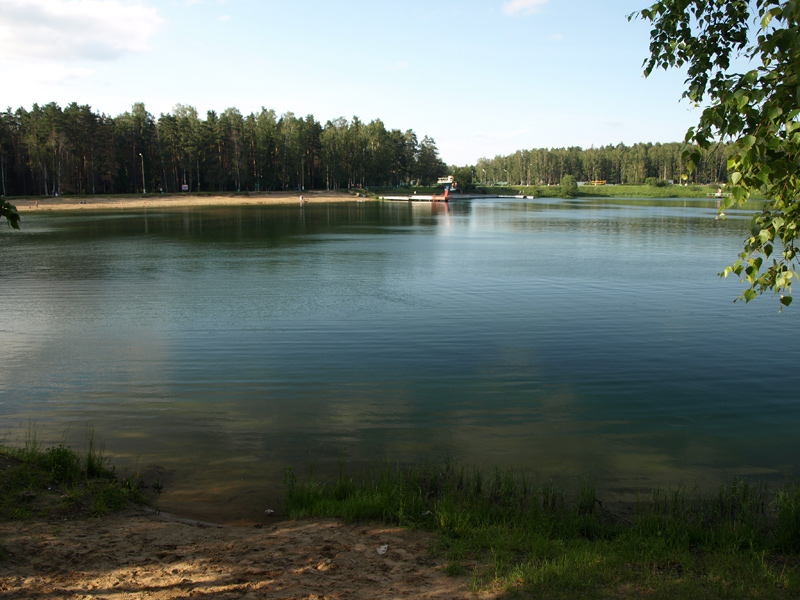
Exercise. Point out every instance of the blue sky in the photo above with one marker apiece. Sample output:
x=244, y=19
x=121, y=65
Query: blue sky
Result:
x=480, y=77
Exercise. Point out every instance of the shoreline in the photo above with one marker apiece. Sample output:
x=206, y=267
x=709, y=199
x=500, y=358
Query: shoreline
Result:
x=489, y=538
x=135, y=553
x=106, y=202
x=62, y=537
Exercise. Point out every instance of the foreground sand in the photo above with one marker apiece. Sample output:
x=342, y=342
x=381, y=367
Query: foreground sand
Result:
x=176, y=200
x=143, y=555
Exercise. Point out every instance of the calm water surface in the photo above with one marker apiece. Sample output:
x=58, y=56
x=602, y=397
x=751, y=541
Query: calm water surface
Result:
x=570, y=339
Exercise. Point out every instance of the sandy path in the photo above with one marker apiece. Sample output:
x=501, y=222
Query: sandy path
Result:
x=176, y=200
x=139, y=555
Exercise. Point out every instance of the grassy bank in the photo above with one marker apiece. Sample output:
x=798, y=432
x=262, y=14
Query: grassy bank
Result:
x=539, y=191
x=651, y=191
x=533, y=541
x=584, y=191
x=57, y=482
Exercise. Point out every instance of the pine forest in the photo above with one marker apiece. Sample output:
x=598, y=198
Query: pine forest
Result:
x=76, y=151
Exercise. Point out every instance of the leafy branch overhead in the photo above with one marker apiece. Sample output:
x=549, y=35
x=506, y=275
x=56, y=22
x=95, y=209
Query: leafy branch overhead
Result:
x=9, y=211
x=741, y=60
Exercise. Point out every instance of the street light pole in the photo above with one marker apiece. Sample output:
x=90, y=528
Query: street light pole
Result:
x=144, y=190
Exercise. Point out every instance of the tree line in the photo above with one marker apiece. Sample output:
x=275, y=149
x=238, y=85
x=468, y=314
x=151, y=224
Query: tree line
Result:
x=49, y=150
x=635, y=164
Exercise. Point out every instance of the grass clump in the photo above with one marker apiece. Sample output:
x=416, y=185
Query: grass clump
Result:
x=535, y=541
x=57, y=482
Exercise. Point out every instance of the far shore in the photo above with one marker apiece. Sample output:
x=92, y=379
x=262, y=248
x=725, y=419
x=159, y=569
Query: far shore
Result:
x=25, y=205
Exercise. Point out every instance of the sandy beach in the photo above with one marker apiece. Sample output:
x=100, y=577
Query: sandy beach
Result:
x=139, y=554
x=178, y=200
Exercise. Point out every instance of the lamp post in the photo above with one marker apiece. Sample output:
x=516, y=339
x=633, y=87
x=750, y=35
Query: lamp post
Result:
x=144, y=190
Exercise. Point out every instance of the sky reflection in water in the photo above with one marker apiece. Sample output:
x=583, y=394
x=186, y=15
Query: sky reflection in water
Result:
x=577, y=339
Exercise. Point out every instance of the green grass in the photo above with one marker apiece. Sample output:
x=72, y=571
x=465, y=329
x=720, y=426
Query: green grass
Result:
x=584, y=191
x=540, y=191
x=533, y=541
x=609, y=191
x=57, y=482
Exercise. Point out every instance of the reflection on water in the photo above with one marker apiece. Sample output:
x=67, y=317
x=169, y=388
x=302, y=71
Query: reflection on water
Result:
x=587, y=338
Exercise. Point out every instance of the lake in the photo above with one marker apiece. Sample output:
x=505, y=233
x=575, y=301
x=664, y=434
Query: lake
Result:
x=568, y=339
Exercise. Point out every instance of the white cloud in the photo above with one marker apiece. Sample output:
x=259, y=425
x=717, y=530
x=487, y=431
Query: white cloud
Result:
x=66, y=75
x=75, y=29
x=49, y=73
x=513, y=8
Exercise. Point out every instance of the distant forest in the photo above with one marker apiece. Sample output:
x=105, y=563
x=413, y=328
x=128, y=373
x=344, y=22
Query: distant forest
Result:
x=637, y=164
x=49, y=150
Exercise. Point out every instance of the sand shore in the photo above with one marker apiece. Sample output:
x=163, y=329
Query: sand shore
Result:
x=138, y=554
x=25, y=205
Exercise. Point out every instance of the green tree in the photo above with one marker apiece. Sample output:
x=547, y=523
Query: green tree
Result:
x=569, y=187
x=135, y=139
x=741, y=59
x=188, y=157
x=9, y=211
x=463, y=177
x=6, y=137
x=35, y=144
x=333, y=141
x=403, y=152
x=379, y=154
x=293, y=146
x=231, y=128
x=84, y=143
x=428, y=165
x=266, y=134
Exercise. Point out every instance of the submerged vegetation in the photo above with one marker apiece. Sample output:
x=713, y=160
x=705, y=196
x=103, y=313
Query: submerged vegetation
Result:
x=57, y=482
x=536, y=541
